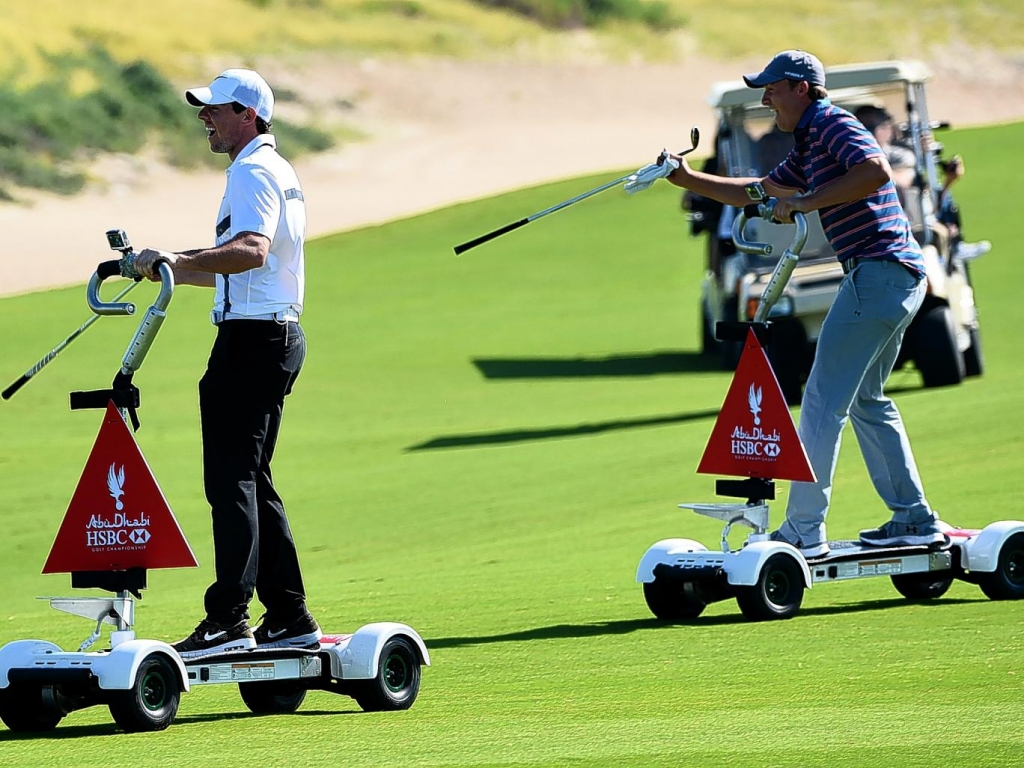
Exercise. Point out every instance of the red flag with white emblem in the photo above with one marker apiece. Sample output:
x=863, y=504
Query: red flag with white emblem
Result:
x=118, y=517
x=754, y=435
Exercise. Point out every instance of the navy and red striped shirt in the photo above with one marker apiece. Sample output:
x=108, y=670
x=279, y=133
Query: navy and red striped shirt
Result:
x=828, y=142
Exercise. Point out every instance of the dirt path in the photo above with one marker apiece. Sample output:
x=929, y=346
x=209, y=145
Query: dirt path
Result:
x=442, y=132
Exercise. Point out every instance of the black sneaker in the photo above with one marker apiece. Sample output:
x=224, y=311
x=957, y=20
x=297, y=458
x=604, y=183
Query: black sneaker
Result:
x=210, y=637
x=302, y=633
x=809, y=551
x=895, y=534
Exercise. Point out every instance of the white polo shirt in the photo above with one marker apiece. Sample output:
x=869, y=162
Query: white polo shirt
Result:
x=263, y=195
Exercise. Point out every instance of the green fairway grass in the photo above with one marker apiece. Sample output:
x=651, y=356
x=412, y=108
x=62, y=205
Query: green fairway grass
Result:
x=483, y=447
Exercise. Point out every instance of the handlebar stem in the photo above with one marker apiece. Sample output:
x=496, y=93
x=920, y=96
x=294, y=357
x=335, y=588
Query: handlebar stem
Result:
x=151, y=321
x=787, y=262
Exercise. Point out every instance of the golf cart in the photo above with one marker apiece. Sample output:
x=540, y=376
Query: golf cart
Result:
x=943, y=340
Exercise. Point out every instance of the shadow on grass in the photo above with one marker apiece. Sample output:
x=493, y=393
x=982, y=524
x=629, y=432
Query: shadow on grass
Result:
x=506, y=437
x=111, y=729
x=556, y=632
x=647, y=364
x=905, y=389
x=600, y=629
x=641, y=364
x=64, y=732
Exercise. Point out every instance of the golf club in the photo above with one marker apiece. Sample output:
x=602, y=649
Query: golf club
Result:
x=694, y=139
x=9, y=392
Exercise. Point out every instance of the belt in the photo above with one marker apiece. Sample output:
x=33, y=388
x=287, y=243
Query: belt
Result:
x=218, y=316
x=852, y=262
x=849, y=264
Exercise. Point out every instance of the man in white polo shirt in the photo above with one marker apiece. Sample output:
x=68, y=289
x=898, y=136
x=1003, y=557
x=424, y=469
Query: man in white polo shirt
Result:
x=257, y=269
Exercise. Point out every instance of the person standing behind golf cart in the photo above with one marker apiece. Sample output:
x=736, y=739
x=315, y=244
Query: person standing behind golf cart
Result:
x=838, y=169
x=945, y=222
x=257, y=268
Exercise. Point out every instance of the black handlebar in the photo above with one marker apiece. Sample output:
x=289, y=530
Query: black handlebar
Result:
x=107, y=269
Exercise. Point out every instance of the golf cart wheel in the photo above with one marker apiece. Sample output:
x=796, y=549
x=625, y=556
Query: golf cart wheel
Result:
x=152, y=701
x=23, y=708
x=708, y=342
x=786, y=352
x=1007, y=581
x=670, y=601
x=397, y=682
x=275, y=697
x=935, y=351
x=921, y=586
x=974, y=360
x=778, y=593
x=729, y=351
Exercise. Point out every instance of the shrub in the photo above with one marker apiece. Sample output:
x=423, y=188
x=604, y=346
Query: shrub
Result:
x=50, y=129
x=565, y=14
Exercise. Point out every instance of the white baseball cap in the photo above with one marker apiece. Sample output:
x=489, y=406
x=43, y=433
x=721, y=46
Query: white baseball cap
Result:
x=246, y=87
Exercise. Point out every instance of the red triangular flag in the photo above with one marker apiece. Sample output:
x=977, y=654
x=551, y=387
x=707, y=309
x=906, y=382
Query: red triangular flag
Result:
x=118, y=517
x=754, y=435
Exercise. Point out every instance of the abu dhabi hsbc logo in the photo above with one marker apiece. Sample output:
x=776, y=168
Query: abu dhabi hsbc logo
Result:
x=755, y=443
x=118, y=531
x=753, y=425
x=118, y=518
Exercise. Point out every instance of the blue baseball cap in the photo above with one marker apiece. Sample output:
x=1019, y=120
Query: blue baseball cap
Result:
x=789, y=65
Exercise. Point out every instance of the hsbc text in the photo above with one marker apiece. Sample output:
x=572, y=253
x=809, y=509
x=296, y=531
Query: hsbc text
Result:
x=754, y=448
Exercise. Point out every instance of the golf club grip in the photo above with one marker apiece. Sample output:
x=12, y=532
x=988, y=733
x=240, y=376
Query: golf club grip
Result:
x=9, y=392
x=489, y=236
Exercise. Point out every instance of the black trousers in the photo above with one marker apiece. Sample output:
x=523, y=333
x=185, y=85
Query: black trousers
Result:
x=252, y=367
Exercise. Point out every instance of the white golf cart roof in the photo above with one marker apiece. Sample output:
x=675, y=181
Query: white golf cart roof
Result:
x=844, y=82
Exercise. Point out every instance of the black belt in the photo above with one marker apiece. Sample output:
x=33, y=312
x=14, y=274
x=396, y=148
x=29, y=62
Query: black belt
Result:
x=849, y=264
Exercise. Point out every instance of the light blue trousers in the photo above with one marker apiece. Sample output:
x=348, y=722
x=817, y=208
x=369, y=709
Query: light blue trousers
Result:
x=857, y=349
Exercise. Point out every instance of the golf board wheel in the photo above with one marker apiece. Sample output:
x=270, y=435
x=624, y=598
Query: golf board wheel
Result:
x=778, y=593
x=23, y=708
x=272, y=697
x=673, y=602
x=152, y=701
x=1007, y=581
x=920, y=586
x=397, y=682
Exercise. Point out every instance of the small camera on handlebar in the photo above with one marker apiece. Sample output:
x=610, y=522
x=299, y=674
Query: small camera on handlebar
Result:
x=755, y=191
x=118, y=240
x=762, y=205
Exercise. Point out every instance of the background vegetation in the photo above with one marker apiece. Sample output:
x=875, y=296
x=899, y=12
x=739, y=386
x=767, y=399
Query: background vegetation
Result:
x=567, y=14
x=106, y=76
x=91, y=103
x=176, y=38
x=484, y=447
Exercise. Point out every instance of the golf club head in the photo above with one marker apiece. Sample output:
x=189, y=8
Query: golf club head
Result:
x=694, y=140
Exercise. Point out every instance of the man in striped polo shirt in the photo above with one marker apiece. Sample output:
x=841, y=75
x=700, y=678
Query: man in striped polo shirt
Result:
x=838, y=169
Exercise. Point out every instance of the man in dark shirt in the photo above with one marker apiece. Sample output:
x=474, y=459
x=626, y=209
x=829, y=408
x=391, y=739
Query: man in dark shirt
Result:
x=838, y=169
